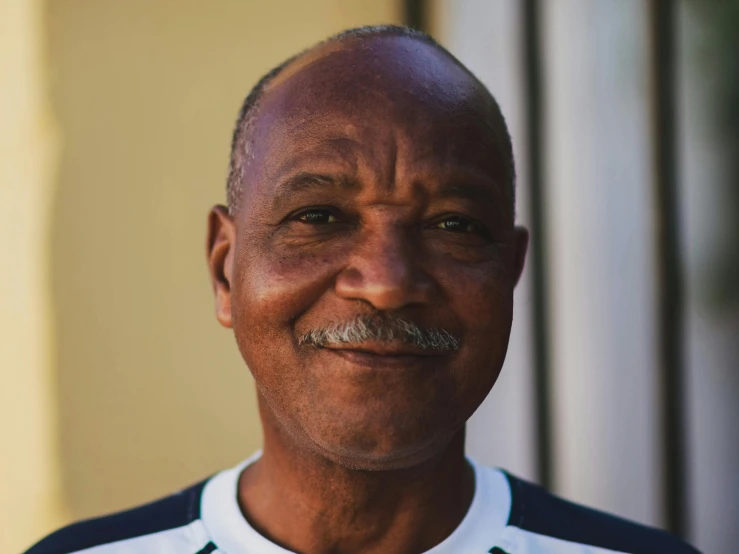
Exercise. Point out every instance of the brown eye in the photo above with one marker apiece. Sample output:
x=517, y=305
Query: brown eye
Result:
x=317, y=216
x=458, y=224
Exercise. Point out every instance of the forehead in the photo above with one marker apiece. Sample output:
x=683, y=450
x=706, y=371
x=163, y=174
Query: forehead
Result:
x=360, y=96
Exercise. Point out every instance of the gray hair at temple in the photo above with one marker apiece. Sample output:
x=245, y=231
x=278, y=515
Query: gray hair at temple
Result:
x=241, y=140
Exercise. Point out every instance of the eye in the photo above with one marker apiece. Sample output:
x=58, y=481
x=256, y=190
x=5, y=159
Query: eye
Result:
x=459, y=224
x=317, y=216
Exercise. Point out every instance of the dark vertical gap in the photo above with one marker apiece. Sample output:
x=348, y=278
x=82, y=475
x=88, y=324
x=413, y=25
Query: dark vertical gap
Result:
x=662, y=15
x=415, y=14
x=537, y=254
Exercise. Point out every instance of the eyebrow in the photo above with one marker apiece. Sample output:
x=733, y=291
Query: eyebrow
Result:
x=474, y=192
x=305, y=181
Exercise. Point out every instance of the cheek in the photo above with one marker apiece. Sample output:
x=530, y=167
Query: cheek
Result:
x=279, y=286
x=481, y=296
x=271, y=290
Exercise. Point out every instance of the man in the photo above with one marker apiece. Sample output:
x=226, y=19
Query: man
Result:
x=366, y=262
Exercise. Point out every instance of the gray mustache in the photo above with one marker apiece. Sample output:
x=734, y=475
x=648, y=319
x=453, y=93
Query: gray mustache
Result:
x=381, y=328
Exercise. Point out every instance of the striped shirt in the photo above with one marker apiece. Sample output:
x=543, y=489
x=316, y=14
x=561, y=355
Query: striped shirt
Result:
x=507, y=516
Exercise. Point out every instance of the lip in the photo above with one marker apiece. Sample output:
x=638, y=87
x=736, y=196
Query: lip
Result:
x=386, y=348
x=396, y=355
x=368, y=359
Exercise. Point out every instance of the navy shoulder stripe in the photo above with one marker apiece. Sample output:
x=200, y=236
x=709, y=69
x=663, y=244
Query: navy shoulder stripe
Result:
x=537, y=510
x=171, y=512
x=208, y=548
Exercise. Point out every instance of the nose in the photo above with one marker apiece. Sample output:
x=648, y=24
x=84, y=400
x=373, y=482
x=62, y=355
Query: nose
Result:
x=384, y=271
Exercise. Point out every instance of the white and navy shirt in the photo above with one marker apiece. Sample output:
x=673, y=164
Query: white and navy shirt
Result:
x=507, y=516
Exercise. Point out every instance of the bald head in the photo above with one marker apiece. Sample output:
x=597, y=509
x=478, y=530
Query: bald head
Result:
x=390, y=67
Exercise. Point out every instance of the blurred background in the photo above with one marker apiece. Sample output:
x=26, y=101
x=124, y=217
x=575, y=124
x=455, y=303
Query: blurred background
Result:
x=621, y=387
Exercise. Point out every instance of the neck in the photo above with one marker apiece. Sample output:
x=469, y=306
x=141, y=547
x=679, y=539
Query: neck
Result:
x=307, y=503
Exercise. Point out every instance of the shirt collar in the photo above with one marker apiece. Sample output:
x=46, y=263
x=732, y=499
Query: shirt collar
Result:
x=231, y=532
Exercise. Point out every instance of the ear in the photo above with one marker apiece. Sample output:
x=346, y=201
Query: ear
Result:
x=521, y=245
x=220, y=247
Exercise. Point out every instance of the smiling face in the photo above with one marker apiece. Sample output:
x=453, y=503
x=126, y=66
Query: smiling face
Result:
x=378, y=189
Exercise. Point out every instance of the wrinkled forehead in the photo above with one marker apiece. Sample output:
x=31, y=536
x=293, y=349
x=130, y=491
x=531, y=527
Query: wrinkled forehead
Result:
x=374, y=90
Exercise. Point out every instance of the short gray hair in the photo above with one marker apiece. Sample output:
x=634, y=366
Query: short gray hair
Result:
x=383, y=328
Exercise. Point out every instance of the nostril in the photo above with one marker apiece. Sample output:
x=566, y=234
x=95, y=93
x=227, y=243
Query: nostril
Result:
x=385, y=284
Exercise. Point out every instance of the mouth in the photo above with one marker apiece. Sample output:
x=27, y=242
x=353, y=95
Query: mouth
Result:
x=389, y=354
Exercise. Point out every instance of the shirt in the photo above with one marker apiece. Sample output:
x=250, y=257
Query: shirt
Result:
x=507, y=516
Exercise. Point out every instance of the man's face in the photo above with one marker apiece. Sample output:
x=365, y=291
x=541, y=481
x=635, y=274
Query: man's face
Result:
x=377, y=186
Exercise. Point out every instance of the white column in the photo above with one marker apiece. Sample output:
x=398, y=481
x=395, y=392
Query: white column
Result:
x=600, y=243
x=485, y=36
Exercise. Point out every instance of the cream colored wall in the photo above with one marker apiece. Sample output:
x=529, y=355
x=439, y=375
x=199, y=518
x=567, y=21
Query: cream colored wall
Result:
x=30, y=502
x=143, y=392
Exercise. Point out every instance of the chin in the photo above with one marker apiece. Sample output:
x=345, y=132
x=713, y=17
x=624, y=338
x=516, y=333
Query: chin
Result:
x=367, y=453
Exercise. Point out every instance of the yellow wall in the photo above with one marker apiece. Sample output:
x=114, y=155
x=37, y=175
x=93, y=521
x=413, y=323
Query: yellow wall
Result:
x=29, y=478
x=143, y=392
